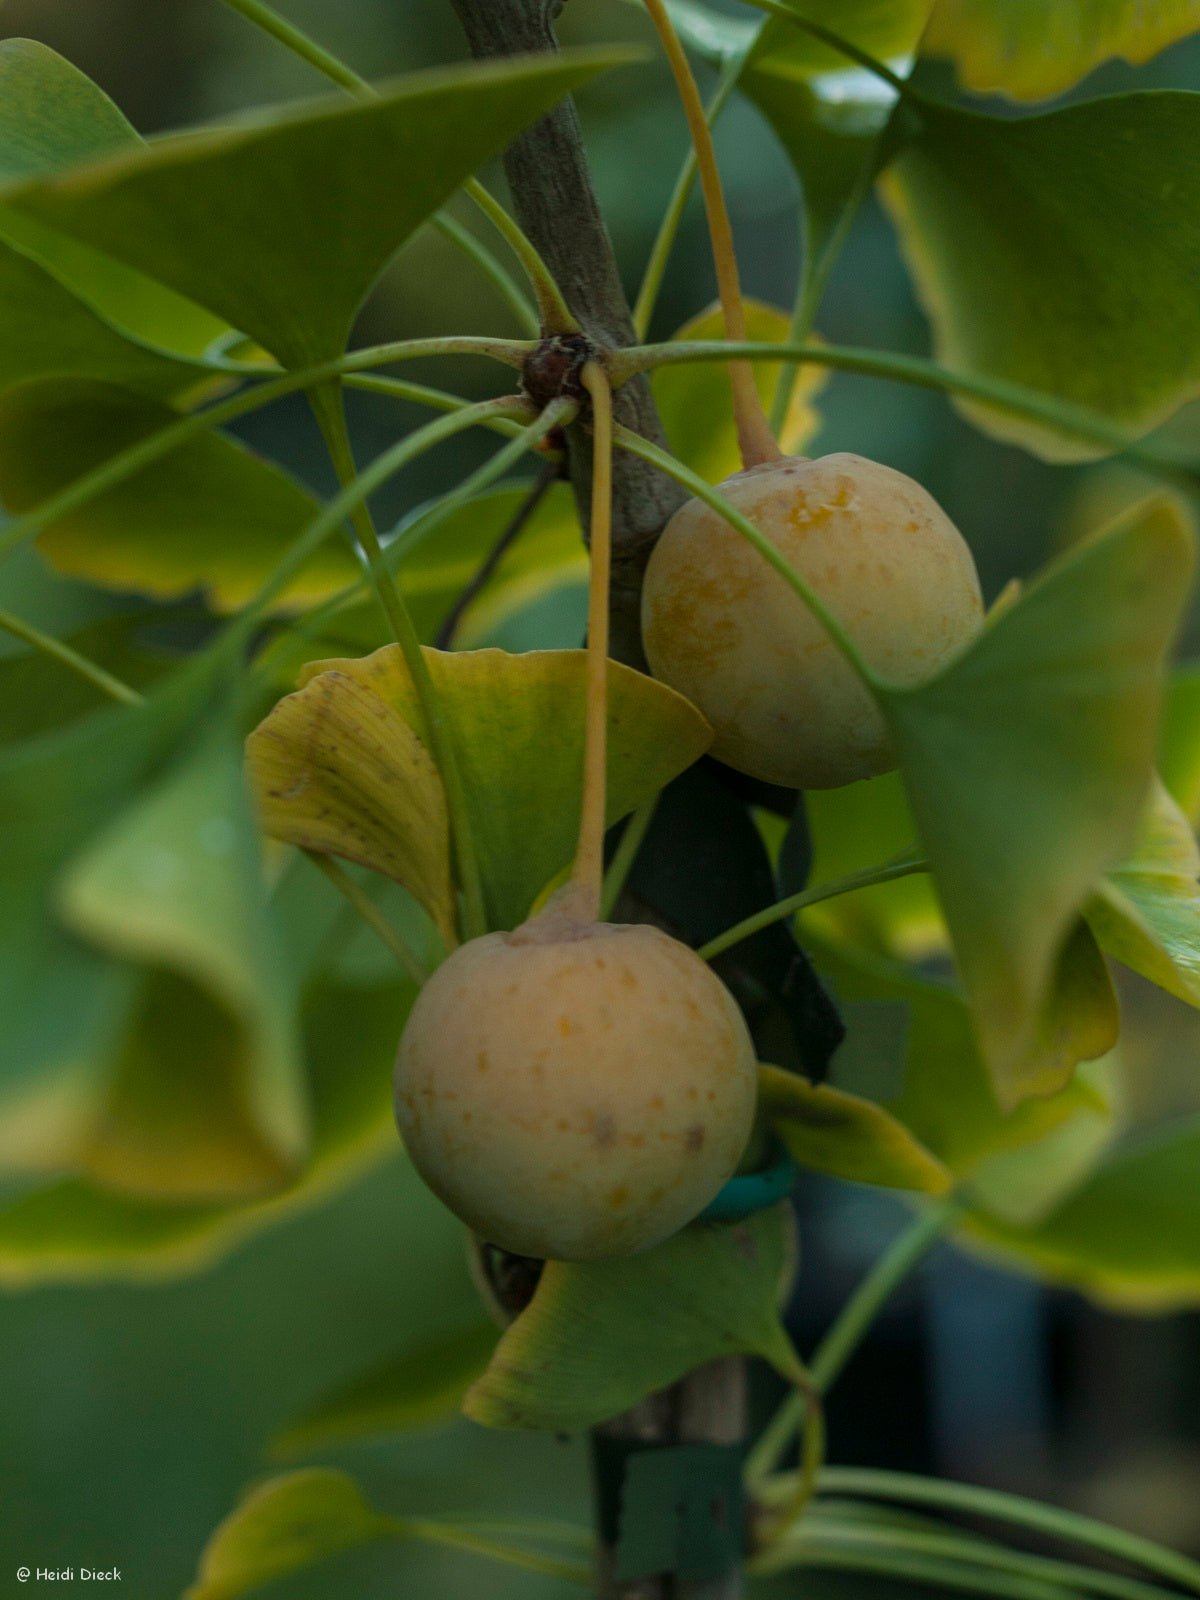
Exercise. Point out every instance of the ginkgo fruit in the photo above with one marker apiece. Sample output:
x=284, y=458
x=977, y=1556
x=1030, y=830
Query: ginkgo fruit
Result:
x=575, y=1089
x=724, y=628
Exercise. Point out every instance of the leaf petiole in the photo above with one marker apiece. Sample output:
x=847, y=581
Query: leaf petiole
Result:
x=849, y=1328
x=901, y=867
x=357, y=897
x=330, y=412
x=176, y=434
x=57, y=650
x=1014, y=397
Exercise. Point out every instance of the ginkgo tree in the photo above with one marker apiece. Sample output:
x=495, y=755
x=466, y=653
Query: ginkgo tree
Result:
x=613, y=918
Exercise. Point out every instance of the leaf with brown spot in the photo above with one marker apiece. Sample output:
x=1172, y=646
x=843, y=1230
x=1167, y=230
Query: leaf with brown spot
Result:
x=339, y=770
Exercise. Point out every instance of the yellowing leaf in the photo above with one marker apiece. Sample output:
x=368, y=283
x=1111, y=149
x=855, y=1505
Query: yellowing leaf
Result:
x=283, y=1526
x=206, y=1094
x=338, y=769
x=847, y=1136
x=1061, y=252
x=1146, y=912
x=1035, y=49
x=1130, y=1235
x=74, y=1231
x=517, y=726
x=211, y=516
x=1027, y=761
x=941, y=1091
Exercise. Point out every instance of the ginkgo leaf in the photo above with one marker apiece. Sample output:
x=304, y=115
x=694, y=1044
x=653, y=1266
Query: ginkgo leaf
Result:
x=600, y=1335
x=1027, y=761
x=52, y=116
x=281, y=222
x=211, y=517
x=846, y=1135
x=1035, y=49
x=72, y=1230
x=1061, y=252
x=337, y=751
x=283, y=1526
x=1146, y=911
x=206, y=1094
x=338, y=769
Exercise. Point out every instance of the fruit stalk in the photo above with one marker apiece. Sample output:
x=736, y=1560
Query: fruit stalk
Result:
x=755, y=439
x=588, y=872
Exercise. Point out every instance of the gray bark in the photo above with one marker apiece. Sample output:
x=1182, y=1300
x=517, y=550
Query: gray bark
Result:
x=555, y=204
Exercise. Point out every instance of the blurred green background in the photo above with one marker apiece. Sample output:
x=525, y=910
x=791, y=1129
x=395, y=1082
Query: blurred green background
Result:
x=134, y=1415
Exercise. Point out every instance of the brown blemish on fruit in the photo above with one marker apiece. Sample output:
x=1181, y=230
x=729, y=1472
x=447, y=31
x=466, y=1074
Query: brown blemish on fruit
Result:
x=564, y=1026
x=604, y=1130
x=618, y=1197
x=482, y=1064
x=656, y=1102
x=693, y=1139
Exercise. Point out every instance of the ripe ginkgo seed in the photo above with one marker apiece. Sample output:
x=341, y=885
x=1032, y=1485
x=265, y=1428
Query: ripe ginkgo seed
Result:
x=575, y=1090
x=724, y=628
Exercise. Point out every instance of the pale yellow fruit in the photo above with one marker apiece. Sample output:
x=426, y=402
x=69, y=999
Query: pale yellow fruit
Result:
x=574, y=1091
x=726, y=630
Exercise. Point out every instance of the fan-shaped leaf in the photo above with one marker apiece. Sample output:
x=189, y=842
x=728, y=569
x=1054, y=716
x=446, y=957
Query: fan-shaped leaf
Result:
x=281, y=223
x=600, y=1335
x=1034, y=49
x=1061, y=252
x=209, y=517
x=517, y=726
x=1027, y=762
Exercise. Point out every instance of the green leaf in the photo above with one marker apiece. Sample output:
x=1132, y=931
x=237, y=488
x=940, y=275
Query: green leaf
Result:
x=51, y=117
x=1060, y=251
x=517, y=726
x=1179, y=757
x=598, y=1336
x=1146, y=912
x=424, y=1384
x=1035, y=49
x=211, y=516
x=281, y=223
x=829, y=113
x=847, y=1136
x=1027, y=762
x=695, y=407
x=74, y=1231
x=863, y=822
x=283, y=1526
x=64, y=1003
x=936, y=1085
x=51, y=114
x=205, y=1096
x=39, y=694
x=46, y=331
x=1130, y=1235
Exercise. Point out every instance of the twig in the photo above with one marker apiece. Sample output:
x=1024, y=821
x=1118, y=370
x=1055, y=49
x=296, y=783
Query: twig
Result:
x=546, y=478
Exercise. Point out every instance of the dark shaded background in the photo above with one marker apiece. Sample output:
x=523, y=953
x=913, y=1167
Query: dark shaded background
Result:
x=133, y=1415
